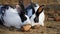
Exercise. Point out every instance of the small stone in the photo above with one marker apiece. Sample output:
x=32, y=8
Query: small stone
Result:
x=26, y=27
x=57, y=18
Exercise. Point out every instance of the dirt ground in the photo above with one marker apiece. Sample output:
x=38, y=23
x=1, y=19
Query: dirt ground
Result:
x=51, y=27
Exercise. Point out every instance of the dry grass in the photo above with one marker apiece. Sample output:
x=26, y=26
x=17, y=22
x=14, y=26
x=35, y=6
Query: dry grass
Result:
x=51, y=27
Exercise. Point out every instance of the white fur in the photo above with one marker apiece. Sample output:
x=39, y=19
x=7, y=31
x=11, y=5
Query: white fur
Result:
x=36, y=7
x=42, y=18
x=11, y=18
x=29, y=12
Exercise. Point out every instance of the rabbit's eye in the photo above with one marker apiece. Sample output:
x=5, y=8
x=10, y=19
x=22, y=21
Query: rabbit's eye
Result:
x=36, y=19
x=23, y=18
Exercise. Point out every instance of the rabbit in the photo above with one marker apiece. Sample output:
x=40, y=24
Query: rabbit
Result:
x=37, y=18
x=26, y=24
x=12, y=17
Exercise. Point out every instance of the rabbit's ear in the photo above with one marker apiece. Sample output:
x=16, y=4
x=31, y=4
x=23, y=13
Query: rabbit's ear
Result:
x=32, y=6
x=23, y=11
x=21, y=4
x=39, y=10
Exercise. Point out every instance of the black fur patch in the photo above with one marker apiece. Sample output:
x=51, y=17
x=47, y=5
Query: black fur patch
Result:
x=33, y=10
x=1, y=23
x=5, y=7
x=23, y=17
x=36, y=19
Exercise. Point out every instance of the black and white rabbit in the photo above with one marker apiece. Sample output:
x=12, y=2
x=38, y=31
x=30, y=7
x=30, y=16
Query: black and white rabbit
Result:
x=37, y=18
x=13, y=18
x=25, y=19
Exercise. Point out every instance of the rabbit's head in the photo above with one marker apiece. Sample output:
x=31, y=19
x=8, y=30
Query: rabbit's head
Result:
x=24, y=18
x=35, y=18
